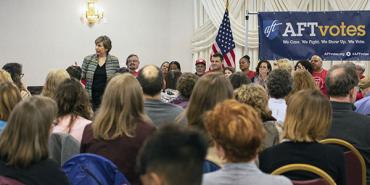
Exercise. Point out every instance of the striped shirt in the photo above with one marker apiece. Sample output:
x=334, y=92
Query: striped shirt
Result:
x=89, y=66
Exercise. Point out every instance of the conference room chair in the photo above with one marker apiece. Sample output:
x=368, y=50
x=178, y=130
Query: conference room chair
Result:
x=355, y=163
x=324, y=178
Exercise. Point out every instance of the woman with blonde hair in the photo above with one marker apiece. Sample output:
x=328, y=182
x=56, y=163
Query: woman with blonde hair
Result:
x=54, y=78
x=74, y=110
x=284, y=64
x=9, y=97
x=24, y=144
x=5, y=76
x=302, y=79
x=237, y=132
x=256, y=96
x=307, y=121
x=120, y=126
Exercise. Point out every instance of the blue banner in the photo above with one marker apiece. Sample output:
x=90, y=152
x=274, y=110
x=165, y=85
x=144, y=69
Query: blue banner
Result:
x=339, y=35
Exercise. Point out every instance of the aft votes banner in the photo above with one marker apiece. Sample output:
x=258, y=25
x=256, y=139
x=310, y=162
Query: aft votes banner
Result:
x=337, y=35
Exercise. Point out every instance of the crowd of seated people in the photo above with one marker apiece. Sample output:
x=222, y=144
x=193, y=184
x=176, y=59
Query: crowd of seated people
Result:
x=249, y=122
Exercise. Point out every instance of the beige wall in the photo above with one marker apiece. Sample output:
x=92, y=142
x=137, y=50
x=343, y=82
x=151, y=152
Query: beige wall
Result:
x=44, y=34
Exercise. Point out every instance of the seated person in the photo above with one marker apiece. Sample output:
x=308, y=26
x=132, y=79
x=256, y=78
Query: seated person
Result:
x=74, y=110
x=9, y=97
x=173, y=156
x=185, y=85
x=16, y=72
x=24, y=144
x=304, y=127
x=120, y=126
x=237, y=132
x=256, y=96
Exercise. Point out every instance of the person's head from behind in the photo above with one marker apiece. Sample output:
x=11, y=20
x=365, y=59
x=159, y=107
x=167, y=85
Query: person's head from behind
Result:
x=174, y=155
x=72, y=99
x=283, y=64
x=303, y=65
x=121, y=109
x=308, y=116
x=279, y=83
x=175, y=66
x=238, y=79
x=302, y=79
x=25, y=138
x=53, y=79
x=74, y=72
x=216, y=62
x=236, y=129
x=171, y=79
x=5, y=76
x=9, y=97
x=122, y=70
x=255, y=96
x=15, y=71
x=132, y=62
x=186, y=83
x=341, y=82
x=208, y=91
x=244, y=63
x=151, y=80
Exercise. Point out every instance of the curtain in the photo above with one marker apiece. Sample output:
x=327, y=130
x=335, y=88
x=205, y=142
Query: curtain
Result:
x=208, y=16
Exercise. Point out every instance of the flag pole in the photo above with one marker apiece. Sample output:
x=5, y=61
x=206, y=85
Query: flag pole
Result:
x=227, y=5
x=246, y=49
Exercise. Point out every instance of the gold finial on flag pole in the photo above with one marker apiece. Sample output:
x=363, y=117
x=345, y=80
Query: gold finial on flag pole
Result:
x=227, y=4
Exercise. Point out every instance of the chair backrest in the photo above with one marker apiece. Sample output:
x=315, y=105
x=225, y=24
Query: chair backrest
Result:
x=355, y=163
x=8, y=181
x=324, y=179
x=318, y=181
x=209, y=166
x=62, y=147
x=91, y=169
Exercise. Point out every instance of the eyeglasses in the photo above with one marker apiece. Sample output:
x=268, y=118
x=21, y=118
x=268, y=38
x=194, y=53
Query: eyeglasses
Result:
x=21, y=75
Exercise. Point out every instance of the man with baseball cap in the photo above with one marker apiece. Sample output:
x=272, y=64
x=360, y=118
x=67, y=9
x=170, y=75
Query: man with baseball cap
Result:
x=200, y=67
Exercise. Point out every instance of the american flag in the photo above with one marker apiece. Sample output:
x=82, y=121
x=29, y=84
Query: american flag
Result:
x=225, y=42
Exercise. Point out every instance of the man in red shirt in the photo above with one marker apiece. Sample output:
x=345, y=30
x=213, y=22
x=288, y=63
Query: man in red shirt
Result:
x=319, y=73
x=132, y=63
x=244, y=64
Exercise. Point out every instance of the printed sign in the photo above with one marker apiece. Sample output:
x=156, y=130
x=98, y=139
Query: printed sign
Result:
x=339, y=35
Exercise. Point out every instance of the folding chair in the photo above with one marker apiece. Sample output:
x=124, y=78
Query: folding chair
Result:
x=355, y=163
x=324, y=179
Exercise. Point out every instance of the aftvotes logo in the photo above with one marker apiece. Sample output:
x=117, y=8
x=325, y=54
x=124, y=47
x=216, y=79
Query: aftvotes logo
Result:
x=270, y=28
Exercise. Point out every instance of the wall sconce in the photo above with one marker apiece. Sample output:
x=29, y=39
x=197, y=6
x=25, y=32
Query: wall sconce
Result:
x=92, y=14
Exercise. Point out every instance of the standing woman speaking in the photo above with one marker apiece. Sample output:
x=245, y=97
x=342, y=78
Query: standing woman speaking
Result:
x=97, y=68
